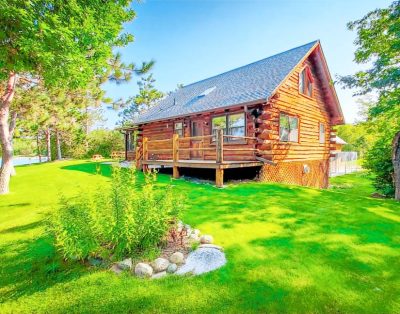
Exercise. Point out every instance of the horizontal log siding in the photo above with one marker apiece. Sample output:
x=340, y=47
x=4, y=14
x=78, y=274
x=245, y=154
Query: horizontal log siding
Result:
x=311, y=112
x=292, y=158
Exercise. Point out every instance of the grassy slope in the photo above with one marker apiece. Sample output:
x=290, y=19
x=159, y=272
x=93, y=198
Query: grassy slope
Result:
x=289, y=249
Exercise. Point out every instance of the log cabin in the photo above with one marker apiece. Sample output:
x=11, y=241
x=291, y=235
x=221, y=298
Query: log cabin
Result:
x=275, y=114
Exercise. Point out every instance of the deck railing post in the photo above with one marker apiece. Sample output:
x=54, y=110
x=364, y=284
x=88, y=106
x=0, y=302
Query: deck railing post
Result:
x=145, y=153
x=175, y=155
x=145, y=149
x=220, y=146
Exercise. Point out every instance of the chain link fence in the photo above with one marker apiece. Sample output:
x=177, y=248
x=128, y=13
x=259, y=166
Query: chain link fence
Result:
x=343, y=163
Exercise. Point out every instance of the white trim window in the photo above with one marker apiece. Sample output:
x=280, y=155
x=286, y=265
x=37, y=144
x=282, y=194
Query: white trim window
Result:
x=178, y=128
x=306, y=81
x=288, y=128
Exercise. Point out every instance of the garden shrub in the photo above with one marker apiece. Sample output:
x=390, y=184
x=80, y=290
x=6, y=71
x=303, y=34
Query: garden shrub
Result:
x=130, y=218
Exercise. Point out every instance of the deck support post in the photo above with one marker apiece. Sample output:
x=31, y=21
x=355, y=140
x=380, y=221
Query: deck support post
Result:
x=220, y=146
x=219, y=177
x=175, y=155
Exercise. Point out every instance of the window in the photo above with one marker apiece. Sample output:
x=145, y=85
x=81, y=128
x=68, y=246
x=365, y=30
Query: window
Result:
x=306, y=81
x=288, y=128
x=178, y=128
x=232, y=124
x=322, y=133
x=130, y=142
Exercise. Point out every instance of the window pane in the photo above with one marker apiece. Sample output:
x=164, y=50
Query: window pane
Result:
x=236, y=124
x=293, y=129
x=178, y=128
x=283, y=127
x=219, y=123
x=322, y=133
x=302, y=81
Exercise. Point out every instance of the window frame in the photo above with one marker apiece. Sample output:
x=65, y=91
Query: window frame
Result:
x=226, y=129
x=298, y=127
x=182, y=129
x=306, y=80
x=322, y=139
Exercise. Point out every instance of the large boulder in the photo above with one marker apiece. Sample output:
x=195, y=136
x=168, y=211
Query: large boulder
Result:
x=210, y=246
x=177, y=258
x=206, y=239
x=143, y=270
x=160, y=264
x=202, y=260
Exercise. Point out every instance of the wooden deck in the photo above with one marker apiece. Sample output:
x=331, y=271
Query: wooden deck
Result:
x=205, y=164
x=172, y=148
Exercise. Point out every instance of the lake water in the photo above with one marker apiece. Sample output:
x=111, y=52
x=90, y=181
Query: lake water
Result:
x=21, y=160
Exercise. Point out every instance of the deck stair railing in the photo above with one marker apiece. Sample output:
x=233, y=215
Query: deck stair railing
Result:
x=173, y=145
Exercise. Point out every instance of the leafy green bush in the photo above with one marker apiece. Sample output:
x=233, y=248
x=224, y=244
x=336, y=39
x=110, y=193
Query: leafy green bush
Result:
x=378, y=160
x=129, y=218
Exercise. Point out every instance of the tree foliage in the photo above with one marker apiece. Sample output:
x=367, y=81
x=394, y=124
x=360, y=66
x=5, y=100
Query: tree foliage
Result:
x=146, y=98
x=378, y=45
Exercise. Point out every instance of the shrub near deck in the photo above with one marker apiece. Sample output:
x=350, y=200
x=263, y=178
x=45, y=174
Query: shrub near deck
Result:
x=289, y=249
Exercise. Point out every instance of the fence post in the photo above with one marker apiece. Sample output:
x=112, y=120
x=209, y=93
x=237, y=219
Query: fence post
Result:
x=220, y=146
x=175, y=155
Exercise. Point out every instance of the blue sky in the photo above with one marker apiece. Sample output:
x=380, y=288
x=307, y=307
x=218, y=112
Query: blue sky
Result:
x=195, y=39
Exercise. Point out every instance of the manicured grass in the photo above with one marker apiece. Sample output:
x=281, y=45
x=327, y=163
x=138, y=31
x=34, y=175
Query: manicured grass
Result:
x=289, y=249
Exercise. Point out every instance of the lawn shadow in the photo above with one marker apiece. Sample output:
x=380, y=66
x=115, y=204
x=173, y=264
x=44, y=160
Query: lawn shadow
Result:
x=32, y=266
x=23, y=228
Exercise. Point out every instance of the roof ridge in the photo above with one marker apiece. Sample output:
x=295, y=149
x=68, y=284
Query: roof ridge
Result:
x=243, y=66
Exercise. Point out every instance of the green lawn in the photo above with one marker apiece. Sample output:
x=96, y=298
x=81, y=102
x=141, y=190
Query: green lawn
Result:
x=289, y=249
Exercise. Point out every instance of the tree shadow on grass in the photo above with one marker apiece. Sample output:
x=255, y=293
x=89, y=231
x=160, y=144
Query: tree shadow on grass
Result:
x=31, y=266
x=23, y=228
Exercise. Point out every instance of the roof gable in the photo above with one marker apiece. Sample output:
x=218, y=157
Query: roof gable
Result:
x=252, y=82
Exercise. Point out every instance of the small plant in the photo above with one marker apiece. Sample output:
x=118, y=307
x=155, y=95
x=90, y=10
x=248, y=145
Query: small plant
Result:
x=127, y=219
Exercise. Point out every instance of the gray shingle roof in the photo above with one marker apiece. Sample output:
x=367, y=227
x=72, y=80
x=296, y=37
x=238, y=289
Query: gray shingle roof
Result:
x=251, y=82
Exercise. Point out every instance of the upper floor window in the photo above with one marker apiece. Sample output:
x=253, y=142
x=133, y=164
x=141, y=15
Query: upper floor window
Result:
x=322, y=133
x=178, y=128
x=231, y=124
x=288, y=128
x=306, y=81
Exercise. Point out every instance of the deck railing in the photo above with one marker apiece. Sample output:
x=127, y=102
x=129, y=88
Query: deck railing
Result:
x=219, y=148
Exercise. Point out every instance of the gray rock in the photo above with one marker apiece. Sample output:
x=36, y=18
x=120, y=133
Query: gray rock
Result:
x=125, y=264
x=143, y=270
x=172, y=268
x=159, y=275
x=93, y=261
x=160, y=264
x=206, y=239
x=115, y=269
x=203, y=260
x=210, y=246
x=177, y=258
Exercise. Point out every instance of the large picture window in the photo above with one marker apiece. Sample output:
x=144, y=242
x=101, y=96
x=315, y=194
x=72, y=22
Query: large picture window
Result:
x=288, y=128
x=306, y=81
x=231, y=124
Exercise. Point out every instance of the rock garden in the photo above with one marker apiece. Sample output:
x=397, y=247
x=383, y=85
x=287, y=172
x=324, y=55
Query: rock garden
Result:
x=187, y=253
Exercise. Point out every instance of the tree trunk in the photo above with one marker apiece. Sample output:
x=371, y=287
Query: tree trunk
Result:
x=58, y=144
x=11, y=128
x=48, y=144
x=396, y=165
x=38, y=147
x=5, y=138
